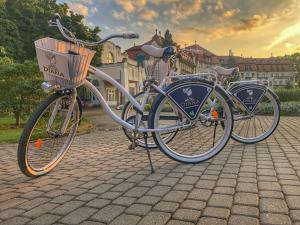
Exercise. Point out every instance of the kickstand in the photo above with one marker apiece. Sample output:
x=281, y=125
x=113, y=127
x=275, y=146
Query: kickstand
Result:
x=148, y=152
x=215, y=129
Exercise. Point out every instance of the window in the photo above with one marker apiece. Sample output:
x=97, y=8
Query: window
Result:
x=111, y=94
x=95, y=83
x=110, y=58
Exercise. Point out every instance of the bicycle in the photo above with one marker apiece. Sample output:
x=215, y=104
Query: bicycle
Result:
x=250, y=99
x=51, y=129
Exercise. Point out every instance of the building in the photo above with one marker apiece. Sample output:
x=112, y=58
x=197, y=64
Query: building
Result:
x=127, y=68
x=278, y=71
x=123, y=69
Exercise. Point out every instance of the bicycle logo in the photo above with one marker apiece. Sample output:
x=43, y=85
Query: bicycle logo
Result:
x=51, y=68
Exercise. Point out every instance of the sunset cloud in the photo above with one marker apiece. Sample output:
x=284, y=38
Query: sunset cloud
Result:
x=289, y=32
x=130, y=5
x=231, y=13
x=119, y=15
x=148, y=14
x=79, y=8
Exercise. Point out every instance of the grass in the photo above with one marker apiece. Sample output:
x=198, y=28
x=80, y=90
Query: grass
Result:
x=9, y=133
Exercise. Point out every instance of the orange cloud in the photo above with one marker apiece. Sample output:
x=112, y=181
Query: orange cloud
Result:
x=148, y=14
x=231, y=13
x=79, y=8
x=130, y=5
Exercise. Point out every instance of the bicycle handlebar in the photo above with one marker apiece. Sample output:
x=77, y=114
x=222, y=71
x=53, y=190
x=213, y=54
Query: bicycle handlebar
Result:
x=55, y=21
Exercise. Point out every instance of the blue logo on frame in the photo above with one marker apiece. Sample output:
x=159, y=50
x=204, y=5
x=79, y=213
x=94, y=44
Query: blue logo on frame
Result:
x=250, y=96
x=190, y=97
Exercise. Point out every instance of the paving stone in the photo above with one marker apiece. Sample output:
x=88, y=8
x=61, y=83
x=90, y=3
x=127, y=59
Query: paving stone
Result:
x=86, y=197
x=205, y=184
x=126, y=201
x=158, y=190
x=246, y=199
x=166, y=206
x=45, y=219
x=98, y=203
x=247, y=187
x=16, y=221
x=216, y=212
x=40, y=210
x=245, y=210
x=291, y=190
x=293, y=202
x=9, y=213
x=78, y=215
x=179, y=222
x=211, y=221
x=168, y=181
x=226, y=182
x=187, y=215
x=108, y=213
x=295, y=215
x=273, y=205
x=276, y=219
x=200, y=194
x=155, y=218
x=67, y=207
x=193, y=204
x=238, y=220
x=126, y=220
x=138, y=209
x=219, y=200
x=271, y=194
x=151, y=200
x=175, y=196
x=271, y=186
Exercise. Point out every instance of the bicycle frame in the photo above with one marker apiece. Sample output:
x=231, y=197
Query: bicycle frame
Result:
x=139, y=107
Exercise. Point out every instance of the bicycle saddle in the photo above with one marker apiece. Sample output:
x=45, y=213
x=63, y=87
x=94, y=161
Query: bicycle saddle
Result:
x=226, y=72
x=157, y=52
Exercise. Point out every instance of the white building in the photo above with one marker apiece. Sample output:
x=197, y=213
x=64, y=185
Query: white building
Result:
x=126, y=71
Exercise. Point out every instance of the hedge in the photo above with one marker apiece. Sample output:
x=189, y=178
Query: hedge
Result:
x=288, y=94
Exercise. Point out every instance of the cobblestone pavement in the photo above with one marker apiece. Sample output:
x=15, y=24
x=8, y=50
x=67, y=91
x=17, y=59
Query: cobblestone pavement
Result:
x=100, y=181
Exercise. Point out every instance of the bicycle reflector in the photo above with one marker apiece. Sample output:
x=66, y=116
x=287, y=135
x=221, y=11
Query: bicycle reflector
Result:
x=38, y=143
x=215, y=115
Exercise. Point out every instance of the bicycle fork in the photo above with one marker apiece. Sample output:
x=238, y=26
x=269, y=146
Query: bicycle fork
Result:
x=68, y=116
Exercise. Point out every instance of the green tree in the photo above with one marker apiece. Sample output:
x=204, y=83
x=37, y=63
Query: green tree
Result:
x=20, y=88
x=296, y=60
x=168, y=39
x=23, y=22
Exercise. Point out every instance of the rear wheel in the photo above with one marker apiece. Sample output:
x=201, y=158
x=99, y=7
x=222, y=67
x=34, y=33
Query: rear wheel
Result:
x=42, y=144
x=250, y=128
x=129, y=115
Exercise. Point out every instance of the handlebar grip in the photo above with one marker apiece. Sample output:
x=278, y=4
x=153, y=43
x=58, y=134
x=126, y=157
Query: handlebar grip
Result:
x=54, y=17
x=130, y=35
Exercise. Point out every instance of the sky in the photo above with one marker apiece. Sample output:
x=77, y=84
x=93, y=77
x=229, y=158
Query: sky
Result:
x=250, y=28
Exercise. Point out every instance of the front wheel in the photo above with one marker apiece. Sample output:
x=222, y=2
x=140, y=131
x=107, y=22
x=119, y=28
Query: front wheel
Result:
x=199, y=139
x=48, y=134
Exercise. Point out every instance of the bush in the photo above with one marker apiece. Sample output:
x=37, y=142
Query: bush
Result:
x=287, y=109
x=288, y=95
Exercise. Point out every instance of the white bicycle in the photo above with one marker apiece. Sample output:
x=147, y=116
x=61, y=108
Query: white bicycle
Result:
x=256, y=108
x=178, y=108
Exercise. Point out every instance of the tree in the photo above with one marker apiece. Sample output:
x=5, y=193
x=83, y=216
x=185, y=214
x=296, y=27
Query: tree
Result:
x=20, y=88
x=23, y=22
x=296, y=60
x=168, y=39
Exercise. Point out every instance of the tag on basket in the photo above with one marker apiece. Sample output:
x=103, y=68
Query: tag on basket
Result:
x=53, y=64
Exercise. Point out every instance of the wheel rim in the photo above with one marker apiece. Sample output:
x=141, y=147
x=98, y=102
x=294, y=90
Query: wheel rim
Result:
x=44, y=149
x=129, y=115
x=260, y=125
x=196, y=143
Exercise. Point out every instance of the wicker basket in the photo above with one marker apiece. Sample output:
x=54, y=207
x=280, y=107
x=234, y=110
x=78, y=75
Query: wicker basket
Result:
x=63, y=63
x=156, y=69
